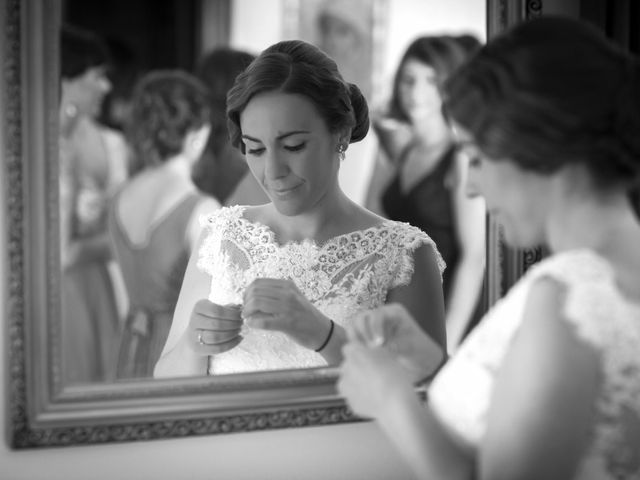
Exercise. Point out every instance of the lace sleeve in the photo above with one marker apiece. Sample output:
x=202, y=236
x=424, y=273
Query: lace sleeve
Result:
x=408, y=239
x=591, y=296
x=210, y=247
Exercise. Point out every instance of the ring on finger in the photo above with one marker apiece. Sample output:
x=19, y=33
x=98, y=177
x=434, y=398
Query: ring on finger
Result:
x=218, y=339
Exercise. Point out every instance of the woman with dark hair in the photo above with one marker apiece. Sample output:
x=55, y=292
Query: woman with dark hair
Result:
x=547, y=385
x=222, y=171
x=273, y=286
x=426, y=185
x=154, y=218
x=93, y=162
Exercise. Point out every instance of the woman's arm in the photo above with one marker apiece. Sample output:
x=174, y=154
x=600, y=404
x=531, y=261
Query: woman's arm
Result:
x=468, y=273
x=377, y=386
x=393, y=138
x=542, y=406
x=393, y=135
x=178, y=358
x=422, y=441
x=278, y=304
x=423, y=297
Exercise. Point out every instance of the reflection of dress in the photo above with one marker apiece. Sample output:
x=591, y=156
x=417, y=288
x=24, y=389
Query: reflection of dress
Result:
x=347, y=274
x=428, y=206
x=89, y=310
x=460, y=394
x=153, y=272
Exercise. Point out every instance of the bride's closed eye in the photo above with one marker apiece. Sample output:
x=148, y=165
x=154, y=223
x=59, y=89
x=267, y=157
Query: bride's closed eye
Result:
x=295, y=148
x=255, y=151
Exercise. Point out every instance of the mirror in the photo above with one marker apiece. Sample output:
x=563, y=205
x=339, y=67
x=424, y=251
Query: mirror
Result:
x=44, y=411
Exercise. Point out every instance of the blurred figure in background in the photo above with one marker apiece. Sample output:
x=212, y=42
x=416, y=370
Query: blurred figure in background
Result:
x=222, y=171
x=93, y=162
x=154, y=217
x=427, y=176
x=124, y=71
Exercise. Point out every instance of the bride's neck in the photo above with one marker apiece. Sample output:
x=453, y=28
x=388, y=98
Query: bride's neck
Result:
x=605, y=223
x=324, y=221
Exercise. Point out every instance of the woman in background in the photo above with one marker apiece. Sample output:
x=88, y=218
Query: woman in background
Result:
x=222, y=170
x=154, y=217
x=93, y=162
x=274, y=286
x=547, y=386
x=427, y=181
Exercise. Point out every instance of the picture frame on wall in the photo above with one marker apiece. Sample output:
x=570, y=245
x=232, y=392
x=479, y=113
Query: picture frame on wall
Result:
x=351, y=32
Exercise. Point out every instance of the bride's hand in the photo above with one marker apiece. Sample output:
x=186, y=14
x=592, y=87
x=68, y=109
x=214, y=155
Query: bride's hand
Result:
x=275, y=304
x=213, y=328
x=392, y=328
x=372, y=381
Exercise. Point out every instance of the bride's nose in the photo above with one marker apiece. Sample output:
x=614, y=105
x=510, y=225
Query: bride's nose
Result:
x=275, y=166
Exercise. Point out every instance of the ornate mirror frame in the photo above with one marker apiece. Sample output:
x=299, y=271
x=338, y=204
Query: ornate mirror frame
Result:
x=42, y=414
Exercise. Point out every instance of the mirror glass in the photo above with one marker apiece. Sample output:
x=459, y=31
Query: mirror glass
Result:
x=365, y=37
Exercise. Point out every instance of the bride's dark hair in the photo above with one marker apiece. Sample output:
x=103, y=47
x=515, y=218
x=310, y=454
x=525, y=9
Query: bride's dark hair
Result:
x=298, y=67
x=549, y=92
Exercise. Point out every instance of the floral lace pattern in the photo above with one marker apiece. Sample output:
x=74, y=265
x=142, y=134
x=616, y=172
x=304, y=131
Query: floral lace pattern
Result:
x=347, y=274
x=603, y=318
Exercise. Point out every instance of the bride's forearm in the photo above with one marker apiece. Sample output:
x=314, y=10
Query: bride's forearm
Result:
x=181, y=361
x=421, y=441
x=332, y=351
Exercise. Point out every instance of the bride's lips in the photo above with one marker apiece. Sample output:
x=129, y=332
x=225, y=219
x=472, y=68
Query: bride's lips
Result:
x=283, y=192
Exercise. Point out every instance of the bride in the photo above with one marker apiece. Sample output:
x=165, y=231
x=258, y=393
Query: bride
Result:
x=274, y=286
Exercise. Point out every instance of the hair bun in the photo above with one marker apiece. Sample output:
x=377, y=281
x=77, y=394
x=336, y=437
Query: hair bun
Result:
x=360, y=112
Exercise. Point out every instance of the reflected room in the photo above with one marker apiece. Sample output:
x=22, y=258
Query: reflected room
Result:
x=118, y=295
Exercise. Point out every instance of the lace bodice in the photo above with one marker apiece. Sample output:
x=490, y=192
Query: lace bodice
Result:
x=347, y=274
x=460, y=394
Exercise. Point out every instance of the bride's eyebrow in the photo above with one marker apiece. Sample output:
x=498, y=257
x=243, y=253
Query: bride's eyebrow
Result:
x=279, y=137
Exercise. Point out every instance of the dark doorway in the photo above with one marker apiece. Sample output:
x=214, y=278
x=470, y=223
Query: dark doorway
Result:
x=160, y=33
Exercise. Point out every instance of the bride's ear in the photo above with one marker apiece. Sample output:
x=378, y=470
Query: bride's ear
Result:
x=343, y=139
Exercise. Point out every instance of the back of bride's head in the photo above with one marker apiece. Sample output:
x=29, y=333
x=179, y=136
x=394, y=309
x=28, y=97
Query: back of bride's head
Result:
x=549, y=92
x=298, y=67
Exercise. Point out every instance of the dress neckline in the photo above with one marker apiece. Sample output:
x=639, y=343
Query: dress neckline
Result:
x=273, y=238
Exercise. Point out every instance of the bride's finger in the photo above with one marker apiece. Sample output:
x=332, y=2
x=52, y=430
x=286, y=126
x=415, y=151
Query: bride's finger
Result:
x=357, y=330
x=376, y=328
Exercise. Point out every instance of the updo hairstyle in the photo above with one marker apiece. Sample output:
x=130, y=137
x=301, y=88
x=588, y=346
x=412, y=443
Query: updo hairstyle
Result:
x=298, y=67
x=166, y=106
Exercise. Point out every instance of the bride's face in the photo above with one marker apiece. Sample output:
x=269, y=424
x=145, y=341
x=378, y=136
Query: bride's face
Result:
x=290, y=151
x=518, y=199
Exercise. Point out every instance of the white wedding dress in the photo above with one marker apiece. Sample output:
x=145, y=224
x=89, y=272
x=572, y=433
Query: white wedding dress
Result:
x=461, y=393
x=347, y=274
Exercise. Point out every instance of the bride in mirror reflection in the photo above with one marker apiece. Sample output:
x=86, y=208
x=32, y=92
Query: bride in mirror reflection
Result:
x=274, y=286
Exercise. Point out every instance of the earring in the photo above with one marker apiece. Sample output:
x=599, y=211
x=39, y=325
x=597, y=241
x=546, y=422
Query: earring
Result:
x=341, y=149
x=70, y=110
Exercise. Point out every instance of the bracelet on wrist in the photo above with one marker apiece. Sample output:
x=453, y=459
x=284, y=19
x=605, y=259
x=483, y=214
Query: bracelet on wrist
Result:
x=326, y=341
